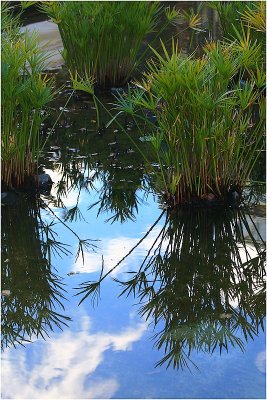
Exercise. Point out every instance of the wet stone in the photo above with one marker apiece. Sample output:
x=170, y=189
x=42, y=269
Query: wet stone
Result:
x=9, y=198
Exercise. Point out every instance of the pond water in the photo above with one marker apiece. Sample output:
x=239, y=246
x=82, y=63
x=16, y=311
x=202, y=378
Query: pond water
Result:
x=180, y=312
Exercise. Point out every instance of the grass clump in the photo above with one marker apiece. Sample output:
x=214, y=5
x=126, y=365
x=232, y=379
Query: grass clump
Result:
x=25, y=92
x=206, y=138
x=235, y=16
x=103, y=39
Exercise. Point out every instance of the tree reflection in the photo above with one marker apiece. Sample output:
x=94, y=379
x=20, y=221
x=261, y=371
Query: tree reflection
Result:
x=117, y=185
x=31, y=292
x=201, y=284
x=119, y=193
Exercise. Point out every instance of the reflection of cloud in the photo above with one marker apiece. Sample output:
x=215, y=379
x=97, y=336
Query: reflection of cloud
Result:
x=245, y=254
x=261, y=362
x=64, y=363
x=70, y=200
x=113, y=251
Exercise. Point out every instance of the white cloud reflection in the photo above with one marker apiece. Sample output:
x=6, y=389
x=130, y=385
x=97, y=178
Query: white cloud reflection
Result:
x=61, y=367
x=113, y=250
x=261, y=362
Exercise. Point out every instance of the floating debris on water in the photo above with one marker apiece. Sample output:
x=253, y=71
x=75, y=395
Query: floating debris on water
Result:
x=226, y=316
x=5, y=292
x=113, y=155
x=72, y=150
x=146, y=138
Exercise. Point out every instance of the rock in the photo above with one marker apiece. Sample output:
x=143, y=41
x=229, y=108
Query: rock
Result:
x=9, y=198
x=44, y=180
x=234, y=198
x=45, y=183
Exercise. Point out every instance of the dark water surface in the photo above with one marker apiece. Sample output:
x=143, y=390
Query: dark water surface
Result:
x=191, y=316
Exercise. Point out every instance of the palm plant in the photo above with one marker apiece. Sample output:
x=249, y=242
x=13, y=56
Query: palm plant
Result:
x=25, y=92
x=234, y=15
x=206, y=138
x=103, y=39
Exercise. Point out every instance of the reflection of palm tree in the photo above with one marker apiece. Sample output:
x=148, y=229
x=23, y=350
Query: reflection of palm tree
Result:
x=30, y=291
x=119, y=196
x=200, y=281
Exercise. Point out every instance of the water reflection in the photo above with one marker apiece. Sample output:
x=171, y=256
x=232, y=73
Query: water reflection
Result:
x=201, y=284
x=67, y=363
x=119, y=195
x=30, y=290
x=117, y=181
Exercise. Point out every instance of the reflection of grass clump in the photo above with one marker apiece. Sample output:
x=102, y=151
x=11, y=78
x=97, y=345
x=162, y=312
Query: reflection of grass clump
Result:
x=25, y=91
x=103, y=39
x=201, y=284
x=33, y=296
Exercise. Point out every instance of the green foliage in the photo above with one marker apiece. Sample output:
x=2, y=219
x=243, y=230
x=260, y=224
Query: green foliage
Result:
x=25, y=92
x=103, y=39
x=206, y=138
x=9, y=22
x=255, y=16
x=236, y=15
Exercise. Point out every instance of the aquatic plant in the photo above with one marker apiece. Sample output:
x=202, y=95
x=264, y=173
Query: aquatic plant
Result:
x=204, y=134
x=104, y=39
x=233, y=15
x=25, y=92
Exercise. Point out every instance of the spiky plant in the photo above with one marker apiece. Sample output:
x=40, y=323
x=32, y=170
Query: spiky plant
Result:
x=235, y=16
x=205, y=139
x=25, y=92
x=103, y=39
